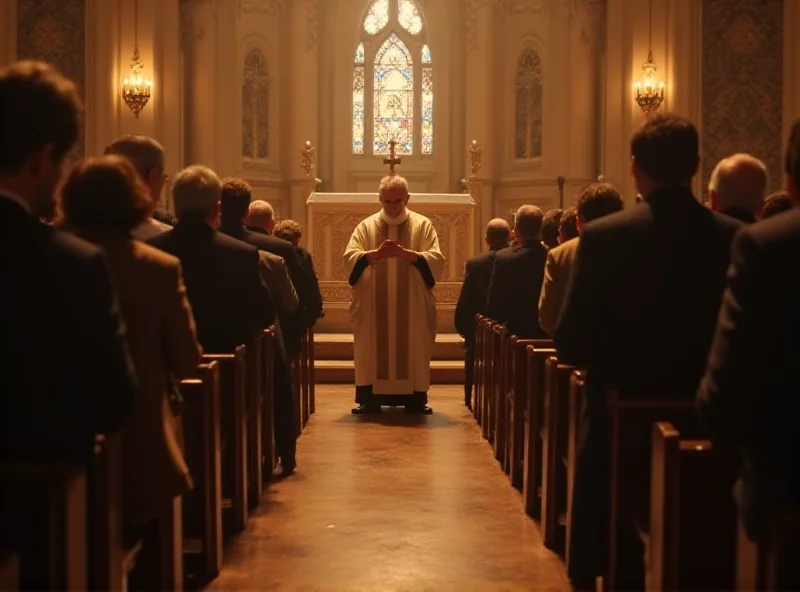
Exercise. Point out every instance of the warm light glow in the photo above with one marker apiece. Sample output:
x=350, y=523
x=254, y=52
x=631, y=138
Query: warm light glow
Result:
x=136, y=89
x=650, y=90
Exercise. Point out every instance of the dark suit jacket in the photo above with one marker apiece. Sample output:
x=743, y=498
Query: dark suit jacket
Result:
x=65, y=369
x=295, y=324
x=315, y=305
x=230, y=301
x=747, y=395
x=515, y=287
x=474, y=292
x=639, y=314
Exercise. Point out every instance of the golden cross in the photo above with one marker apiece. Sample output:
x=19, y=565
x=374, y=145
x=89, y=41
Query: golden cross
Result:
x=393, y=159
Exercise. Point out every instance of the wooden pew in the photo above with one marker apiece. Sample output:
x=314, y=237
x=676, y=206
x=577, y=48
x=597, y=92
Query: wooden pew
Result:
x=577, y=386
x=499, y=395
x=310, y=357
x=692, y=533
x=477, y=388
x=517, y=401
x=771, y=564
x=43, y=518
x=9, y=571
x=630, y=443
x=297, y=394
x=305, y=386
x=202, y=507
x=534, y=406
x=268, y=406
x=555, y=428
x=489, y=378
x=255, y=403
x=233, y=436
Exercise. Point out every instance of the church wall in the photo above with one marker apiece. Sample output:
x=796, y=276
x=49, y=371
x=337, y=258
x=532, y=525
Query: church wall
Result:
x=742, y=92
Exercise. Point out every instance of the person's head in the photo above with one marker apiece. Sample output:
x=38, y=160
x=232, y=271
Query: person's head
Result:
x=776, y=203
x=550, y=224
x=568, y=227
x=289, y=230
x=497, y=233
x=261, y=214
x=595, y=201
x=393, y=195
x=738, y=184
x=235, y=201
x=528, y=224
x=196, y=192
x=40, y=121
x=664, y=151
x=104, y=194
x=792, y=167
x=147, y=156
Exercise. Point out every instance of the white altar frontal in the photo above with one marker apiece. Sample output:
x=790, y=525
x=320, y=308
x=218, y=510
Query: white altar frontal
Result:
x=330, y=220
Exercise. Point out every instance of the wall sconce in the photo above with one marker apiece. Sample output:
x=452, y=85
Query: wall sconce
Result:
x=136, y=89
x=649, y=91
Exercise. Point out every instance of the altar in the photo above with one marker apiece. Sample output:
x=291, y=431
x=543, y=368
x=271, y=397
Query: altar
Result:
x=331, y=219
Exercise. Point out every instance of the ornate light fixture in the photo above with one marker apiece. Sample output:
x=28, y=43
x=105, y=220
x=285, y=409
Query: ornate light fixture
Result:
x=649, y=91
x=136, y=89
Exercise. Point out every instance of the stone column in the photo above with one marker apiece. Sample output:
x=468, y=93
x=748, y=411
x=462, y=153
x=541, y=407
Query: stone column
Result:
x=303, y=19
x=483, y=121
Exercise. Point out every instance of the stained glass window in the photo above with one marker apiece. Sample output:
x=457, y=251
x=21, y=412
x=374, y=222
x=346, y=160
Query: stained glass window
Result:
x=393, y=97
x=255, y=106
x=408, y=16
x=358, y=101
x=528, y=124
x=377, y=16
x=387, y=83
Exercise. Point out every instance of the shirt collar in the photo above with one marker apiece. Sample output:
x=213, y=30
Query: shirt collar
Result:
x=15, y=198
x=396, y=220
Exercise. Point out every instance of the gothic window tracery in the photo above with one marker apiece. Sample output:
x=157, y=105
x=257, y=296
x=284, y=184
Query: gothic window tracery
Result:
x=528, y=106
x=255, y=106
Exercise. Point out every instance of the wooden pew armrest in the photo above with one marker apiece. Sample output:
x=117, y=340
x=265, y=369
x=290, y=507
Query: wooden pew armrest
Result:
x=131, y=549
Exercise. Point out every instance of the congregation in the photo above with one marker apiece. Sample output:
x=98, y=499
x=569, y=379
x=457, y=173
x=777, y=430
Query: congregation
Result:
x=643, y=310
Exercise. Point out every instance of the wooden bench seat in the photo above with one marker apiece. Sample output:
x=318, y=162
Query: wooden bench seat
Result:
x=498, y=395
x=310, y=358
x=233, y=437
x=555, y=430
x=691, y=539
x=254, y=389
x=43, y=519
x=202, y=506
x=532, y=477
x=268, y=456
x=577, y=386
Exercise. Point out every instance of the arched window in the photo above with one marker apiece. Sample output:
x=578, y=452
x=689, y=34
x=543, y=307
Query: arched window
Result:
x=393, y=81
x=255, y=107
x=528, y=108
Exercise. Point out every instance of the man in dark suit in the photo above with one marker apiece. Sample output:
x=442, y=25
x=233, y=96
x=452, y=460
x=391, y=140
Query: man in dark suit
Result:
x=236, y=195
x=517, y=278
x=639, y=312
x=747, y=395
x=230, y=301
x=474, y=291
x=65, y=369
x=289, y=230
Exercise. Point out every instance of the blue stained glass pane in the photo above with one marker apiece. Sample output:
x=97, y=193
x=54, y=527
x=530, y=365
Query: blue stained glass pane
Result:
x=408, y=16
x=358, y=110
x=393, y=109
x=427, y=110
x=426, y=54
x=377, y=16
x=360, y=54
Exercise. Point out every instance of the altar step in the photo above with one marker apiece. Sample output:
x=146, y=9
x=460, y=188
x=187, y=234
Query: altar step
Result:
x=334, y=359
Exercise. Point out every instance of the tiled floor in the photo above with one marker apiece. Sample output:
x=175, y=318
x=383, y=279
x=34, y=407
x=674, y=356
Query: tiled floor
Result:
x=391, y=502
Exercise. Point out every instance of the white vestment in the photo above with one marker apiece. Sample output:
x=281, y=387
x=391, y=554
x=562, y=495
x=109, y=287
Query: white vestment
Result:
x=393, y=311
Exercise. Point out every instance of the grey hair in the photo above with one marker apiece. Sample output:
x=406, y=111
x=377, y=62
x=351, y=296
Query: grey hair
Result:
x=143, y=151
x=260, y=212
x=196, y=192
x=390, y=182
x=740, y=181
x=497, y=231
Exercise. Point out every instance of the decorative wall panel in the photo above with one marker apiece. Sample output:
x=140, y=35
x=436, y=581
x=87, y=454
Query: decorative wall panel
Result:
x=55, y=31
x=742, y=89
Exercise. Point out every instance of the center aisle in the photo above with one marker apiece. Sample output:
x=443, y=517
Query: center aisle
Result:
x=391, y=502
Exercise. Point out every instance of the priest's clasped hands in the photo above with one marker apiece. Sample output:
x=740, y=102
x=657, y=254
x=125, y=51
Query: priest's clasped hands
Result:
x=390, y=249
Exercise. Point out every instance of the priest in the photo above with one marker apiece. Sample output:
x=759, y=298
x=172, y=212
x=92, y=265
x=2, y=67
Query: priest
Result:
x=393, y=259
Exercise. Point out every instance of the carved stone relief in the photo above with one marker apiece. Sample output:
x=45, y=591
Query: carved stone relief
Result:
x=255, y=107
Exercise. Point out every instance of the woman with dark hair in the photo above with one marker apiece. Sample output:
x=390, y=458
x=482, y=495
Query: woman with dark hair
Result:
x=103, y=200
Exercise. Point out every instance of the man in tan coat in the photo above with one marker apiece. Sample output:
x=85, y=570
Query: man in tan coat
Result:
x=276, y=276
x=594, y=201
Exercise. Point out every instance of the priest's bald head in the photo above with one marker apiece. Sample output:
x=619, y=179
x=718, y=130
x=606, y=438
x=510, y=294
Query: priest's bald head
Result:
x=393, y=195
x=527, y=224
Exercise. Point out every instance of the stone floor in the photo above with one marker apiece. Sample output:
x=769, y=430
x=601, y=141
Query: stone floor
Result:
x=391, y=502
